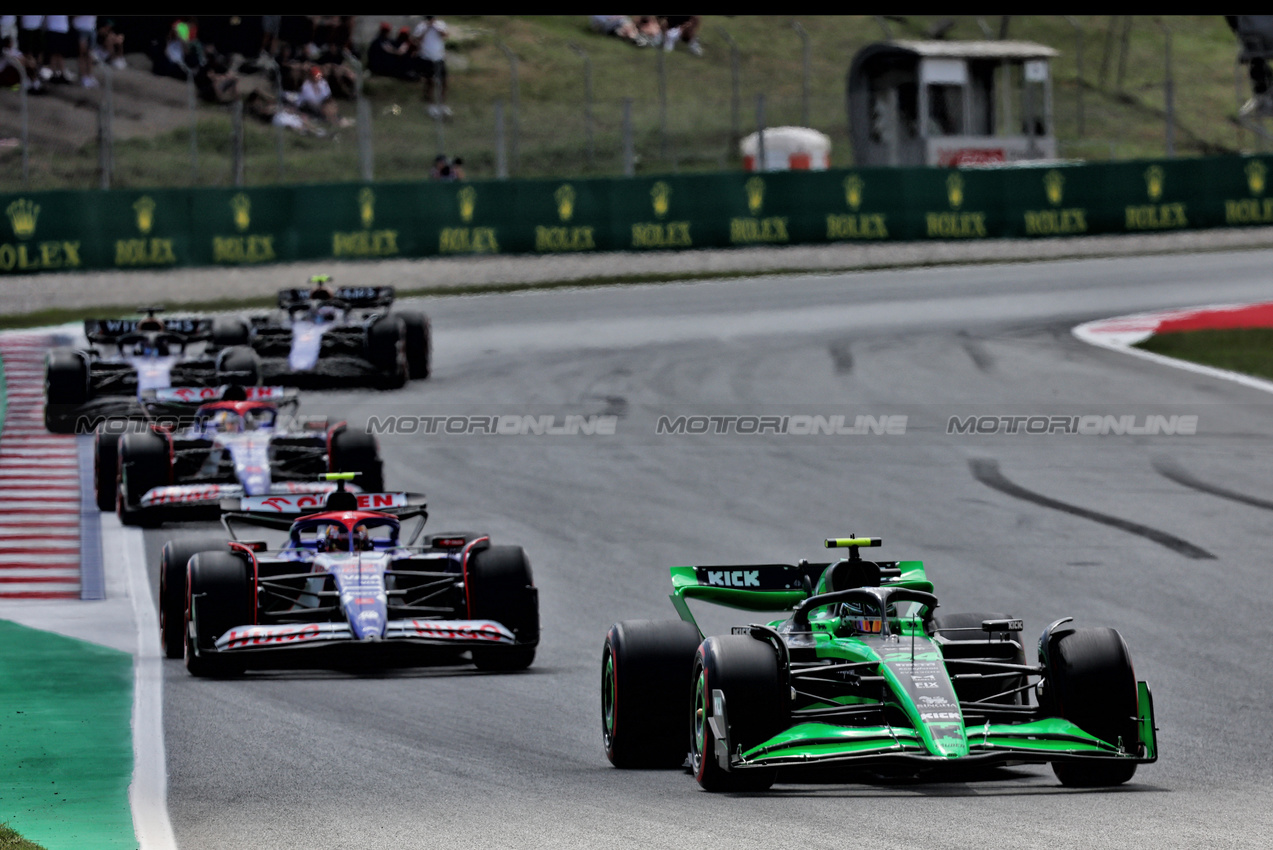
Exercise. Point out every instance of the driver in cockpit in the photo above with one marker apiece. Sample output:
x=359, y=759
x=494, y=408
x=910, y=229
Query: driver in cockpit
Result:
x=151, y=347
x=337, y=539
x=226, y=422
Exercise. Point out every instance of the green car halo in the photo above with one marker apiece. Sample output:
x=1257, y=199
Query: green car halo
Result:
x=864, y=678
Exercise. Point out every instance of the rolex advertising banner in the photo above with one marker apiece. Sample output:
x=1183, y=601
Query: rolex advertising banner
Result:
x=160, y=228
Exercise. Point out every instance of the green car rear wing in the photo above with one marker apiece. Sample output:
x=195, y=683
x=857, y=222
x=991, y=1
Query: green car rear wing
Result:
x=774, y=587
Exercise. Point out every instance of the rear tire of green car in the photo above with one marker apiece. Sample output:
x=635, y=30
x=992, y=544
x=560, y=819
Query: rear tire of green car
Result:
x=746, y=671
x=1092, y=684
x=645, y=687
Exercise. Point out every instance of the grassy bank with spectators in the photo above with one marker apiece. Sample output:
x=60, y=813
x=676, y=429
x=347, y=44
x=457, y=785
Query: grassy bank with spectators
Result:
x=1121, y=90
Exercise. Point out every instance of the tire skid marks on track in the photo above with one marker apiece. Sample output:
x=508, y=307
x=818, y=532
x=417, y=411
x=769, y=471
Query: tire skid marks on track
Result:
x=1173, y=471
x=987, y=472
x=39, y=485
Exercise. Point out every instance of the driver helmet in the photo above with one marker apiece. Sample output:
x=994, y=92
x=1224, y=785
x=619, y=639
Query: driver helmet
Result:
x=226, y=422
x=150, y=347
x=337, y=538
x=324, y=313
x=862, y=619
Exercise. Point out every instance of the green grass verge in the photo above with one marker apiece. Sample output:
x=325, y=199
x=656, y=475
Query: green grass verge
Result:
x=10, y=840
x=1245, y=350
x=66, y=750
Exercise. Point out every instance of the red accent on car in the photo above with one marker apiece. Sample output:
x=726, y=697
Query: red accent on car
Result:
x=464, y=572
x=448, y=542
x=250, y=550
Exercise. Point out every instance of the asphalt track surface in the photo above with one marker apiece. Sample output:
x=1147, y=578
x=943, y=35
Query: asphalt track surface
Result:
x=1143, y=533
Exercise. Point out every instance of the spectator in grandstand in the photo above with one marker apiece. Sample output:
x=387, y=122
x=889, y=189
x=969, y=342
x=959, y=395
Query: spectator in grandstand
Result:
x=12, y=64
x=681, y=28
x=619, y=26
x=649, y=28
x=59, y=43
x=389, y=56
x=109, y=45
x=85, y=27
x=214, y=80
x=292, y=70
x=269, y=35
x=441, y=169
x=316, y=99
x=457, y=168
x=430, y=35
x=182, y=54
x=31, y=45
x=342, y=78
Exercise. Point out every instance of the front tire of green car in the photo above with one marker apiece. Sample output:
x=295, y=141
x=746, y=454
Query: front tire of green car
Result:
x=1093, y=685
x=746, y=671
x=645, y=680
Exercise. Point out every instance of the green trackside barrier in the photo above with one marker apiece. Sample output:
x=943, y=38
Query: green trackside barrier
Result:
x=67, y=230
x=66, y=751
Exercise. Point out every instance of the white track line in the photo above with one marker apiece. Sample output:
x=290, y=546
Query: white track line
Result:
x=124, y=549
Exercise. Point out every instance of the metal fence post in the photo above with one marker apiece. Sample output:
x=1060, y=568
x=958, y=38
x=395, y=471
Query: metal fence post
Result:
x=1078, y=59
x=501, y=146
x=587, y=103
x=513, y=99
x=735, y=90
x=1169, y=93
x=760, y=132
x=26, y=128
x=662, y=63
x=194, y=127
x=1124, y=48
x=105, y=131
x=629, y=149
x=362, y=114
x=236, y=139
x=806, y=51
x=279, y=104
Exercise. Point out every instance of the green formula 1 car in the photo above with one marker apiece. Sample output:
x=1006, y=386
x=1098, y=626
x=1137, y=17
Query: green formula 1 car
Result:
x=864, y=678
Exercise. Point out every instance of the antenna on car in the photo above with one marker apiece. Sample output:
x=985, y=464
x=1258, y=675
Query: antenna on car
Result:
x=341, y=499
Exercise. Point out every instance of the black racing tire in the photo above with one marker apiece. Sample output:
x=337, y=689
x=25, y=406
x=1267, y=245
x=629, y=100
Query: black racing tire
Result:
x=1091, y=683
x=967, y=626
x=66, y=389
x=239, y=365
x=173, y=565
x=747, y=672
x=387, y=350
x=500, y=586
x=646, y=669
x=419, y=344
x=357, y=452
x=219, y=597
x=106, y=460
x=229, y=331
x=144, y=464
